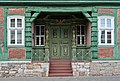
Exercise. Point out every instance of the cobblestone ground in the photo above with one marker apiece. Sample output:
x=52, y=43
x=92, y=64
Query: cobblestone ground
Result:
x=104, y=78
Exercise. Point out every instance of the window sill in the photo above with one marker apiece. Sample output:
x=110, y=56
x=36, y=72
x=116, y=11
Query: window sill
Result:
x=105, y=46
x=15, y=46
x=83, y=47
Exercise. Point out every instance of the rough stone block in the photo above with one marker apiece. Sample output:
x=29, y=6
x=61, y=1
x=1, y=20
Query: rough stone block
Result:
x=6, y=72
x=37, y=66
x=12, y=72
x=20, y=71
x=28, y=71
x=75, y=73
x=29, y=66
x=81, y=73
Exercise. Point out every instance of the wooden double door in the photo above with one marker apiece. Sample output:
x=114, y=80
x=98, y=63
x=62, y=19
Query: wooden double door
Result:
x=60, y=41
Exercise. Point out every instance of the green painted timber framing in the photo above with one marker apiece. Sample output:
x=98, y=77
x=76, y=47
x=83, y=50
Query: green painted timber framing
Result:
x=82, y=1
x=59, y=2
x=93, y=18
x=4, y=54
x=116, y=55
x=38, y=10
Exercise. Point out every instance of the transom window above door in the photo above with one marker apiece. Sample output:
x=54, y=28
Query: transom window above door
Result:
x=39, y=35
x=15, y=30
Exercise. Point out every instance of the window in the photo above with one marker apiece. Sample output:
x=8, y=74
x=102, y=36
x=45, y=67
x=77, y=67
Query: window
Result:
x=106, y=30
x=15, y=28
x=39, y=35
x=80, y=35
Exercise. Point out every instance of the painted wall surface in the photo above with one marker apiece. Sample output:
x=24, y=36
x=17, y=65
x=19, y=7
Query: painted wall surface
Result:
x=111, y=52
x=11, y=52
x=103, y=52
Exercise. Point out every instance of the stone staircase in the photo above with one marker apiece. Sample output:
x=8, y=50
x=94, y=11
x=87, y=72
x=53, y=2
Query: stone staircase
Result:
x=60, y=68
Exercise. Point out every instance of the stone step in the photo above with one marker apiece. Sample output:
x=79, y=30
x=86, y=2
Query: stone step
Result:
x=62, y=59
x=66, y=67
x=59, y=63
x=60, y=74
x=60, y=67
x=60, y=71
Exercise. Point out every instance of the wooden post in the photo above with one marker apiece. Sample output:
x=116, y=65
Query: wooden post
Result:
x=73, y=44
x=46, y=44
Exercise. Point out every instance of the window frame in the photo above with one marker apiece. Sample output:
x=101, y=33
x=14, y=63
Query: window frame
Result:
x=106, y=28
x=39, y=36
x=80, y=35
x=16, y=28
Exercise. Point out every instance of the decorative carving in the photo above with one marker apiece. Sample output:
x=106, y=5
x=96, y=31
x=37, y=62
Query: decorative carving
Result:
x=66, y=33
x=2, y=48
x=60, y=21
x=54, y=33
x=73, y=31
x=47, y=32
x=54, y=50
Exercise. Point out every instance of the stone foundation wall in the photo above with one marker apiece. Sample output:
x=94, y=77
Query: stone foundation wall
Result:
x=96, y=68
x=105, y=68
x=24, y=69
x=80, y=69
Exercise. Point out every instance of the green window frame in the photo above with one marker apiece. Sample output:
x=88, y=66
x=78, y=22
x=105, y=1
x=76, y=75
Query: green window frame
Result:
x=80, y=35
x=39, y=35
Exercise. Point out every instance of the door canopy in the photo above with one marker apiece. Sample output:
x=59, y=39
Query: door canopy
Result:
x=33, y=12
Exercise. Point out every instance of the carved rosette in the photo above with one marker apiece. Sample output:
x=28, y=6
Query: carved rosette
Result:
x=73, y=40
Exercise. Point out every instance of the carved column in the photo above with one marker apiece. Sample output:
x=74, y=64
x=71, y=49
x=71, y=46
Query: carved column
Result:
x=73, y=43
x=47, y=44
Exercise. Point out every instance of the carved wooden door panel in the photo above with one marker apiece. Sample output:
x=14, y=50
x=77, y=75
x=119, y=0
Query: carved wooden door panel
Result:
x=65, y=42
x=60, y=44
x=55, y=46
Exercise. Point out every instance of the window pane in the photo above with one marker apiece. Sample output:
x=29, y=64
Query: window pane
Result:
x=19, y=37
x=78, y=40
x=102, y=22
x=103, y=36
x=37, y=40
x=78, y=30
x=12, y=32
x=42, y=30
x=108, y=22
x=82, y=30
x=42, y=40
x=108, y=36
x=12, y=23
x=83, y=40
x=19, y=22
x=37, y=30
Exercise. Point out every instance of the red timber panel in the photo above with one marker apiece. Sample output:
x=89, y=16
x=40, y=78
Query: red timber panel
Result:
x=16, y=11
x=1, y=15
x=1, y=34
x=118, y=34
x=118, y=15
x=105, y=11
x=105, y=52
x=17, y=53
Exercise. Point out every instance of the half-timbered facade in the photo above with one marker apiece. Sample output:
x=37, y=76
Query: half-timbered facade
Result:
x=41, y=30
